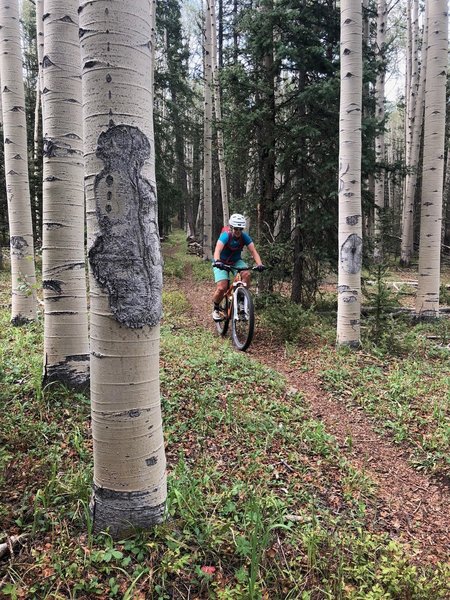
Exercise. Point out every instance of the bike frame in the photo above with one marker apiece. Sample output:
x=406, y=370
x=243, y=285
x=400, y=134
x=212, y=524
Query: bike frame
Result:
x=231, y=292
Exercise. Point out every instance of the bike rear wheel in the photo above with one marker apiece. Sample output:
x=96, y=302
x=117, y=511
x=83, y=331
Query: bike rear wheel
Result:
x=222, y=326
x=243, y=326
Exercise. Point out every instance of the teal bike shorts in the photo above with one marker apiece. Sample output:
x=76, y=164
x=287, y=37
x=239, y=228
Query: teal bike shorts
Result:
x=222, y=275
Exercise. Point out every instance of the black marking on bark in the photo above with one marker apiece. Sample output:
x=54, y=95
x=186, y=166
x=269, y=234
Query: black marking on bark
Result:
x=72, y=136
x=17, y=109
x=108, y=208
x=108, y=78
x=351, y=254
x=17, y=157
x=12, y=172
x=78, y=357
x=62, y=312
x=108, y=47
x=343, y=288
x=97, y=354
x=8, y=141
x=6, y=89
x=46, y=62
x=347, y=51
x=111, y=123
x=151, y=461
x=72, y=101
x=46, y=16
x=51, y=226
x=45, y=90
x=18, y=243
x=68, y=374
x=66, y=19
x=49, y=148
x=353, y=220
x=52, y=178
x=52, y=284
x=125, y=258
x=134, y=413
x=82, y=32
x=20, y=320
x=123, y=512
x=349, y=299
x=90, y=64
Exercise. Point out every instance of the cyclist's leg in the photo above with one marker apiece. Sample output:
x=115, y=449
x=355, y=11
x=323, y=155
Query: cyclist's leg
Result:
x=221, y=280
x=245, y=275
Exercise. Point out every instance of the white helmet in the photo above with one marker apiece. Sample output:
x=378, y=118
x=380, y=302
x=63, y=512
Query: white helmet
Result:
x=237, y=220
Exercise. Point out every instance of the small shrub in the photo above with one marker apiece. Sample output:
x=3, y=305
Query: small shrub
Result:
x=290, y=322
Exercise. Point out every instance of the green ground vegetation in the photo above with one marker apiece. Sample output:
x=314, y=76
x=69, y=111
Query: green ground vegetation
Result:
x=261, y=505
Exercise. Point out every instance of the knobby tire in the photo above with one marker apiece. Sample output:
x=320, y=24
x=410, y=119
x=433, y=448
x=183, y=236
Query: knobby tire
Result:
x=222, y=326
x=242, y=330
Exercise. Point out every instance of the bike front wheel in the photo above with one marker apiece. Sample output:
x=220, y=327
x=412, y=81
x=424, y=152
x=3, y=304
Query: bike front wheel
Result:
x=243, y=319
x=222, y=326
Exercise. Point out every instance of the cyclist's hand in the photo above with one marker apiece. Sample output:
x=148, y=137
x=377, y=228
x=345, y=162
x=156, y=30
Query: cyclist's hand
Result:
x=259, y=268
x=218, y=264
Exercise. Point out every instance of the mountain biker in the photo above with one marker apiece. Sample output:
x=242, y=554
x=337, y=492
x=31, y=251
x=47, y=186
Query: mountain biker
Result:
x=228, y=253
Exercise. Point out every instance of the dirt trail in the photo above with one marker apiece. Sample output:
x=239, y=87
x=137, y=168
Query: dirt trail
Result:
x=411, y=507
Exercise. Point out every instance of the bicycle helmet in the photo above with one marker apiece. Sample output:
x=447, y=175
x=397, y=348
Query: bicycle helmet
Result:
x=237, y=220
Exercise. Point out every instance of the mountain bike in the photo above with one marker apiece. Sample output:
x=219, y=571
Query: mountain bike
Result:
x=237, y=308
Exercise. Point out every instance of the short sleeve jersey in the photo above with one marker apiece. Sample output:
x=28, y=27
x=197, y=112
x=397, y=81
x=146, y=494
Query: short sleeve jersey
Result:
x=231, y=252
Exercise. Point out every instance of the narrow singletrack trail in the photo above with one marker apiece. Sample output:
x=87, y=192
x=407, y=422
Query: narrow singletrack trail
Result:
x=411, y=506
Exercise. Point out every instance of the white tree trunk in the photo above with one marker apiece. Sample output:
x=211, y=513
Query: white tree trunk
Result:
x=16, y=167
x=379, y=139
x=350, y=215
x=66, y=346
x=414, y=125
x=427, y=299
x=207, y=140
x=40, y=47
x=218, y=112
x=125, y=264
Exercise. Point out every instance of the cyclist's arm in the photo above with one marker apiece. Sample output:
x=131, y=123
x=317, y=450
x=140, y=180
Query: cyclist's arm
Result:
x=218, y=249
x=254, y=253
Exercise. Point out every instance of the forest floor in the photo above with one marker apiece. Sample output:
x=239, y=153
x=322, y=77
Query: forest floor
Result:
x=412, y=506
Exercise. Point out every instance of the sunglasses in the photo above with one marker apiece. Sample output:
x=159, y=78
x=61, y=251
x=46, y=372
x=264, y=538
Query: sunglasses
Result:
x=238, y=228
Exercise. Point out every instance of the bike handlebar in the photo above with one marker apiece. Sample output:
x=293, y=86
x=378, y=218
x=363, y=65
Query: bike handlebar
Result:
x=239, y=269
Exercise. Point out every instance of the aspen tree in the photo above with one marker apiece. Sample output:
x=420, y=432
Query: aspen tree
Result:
x=129, y=486
x=350, y=215
x=16, y=167
x=218, y=113
x=379, y=139
x=414, y=127
x=66, y=347
x=427, y=298
x=207, y=139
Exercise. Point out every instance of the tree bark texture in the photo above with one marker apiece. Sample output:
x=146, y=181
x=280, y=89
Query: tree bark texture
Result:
x=427, y=299
x=66, y=344
x=125, y=264
x=207, y=139
x=16, y=167
x=350, y=214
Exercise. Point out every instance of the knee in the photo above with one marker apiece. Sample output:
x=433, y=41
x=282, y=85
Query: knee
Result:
x=222, y=285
